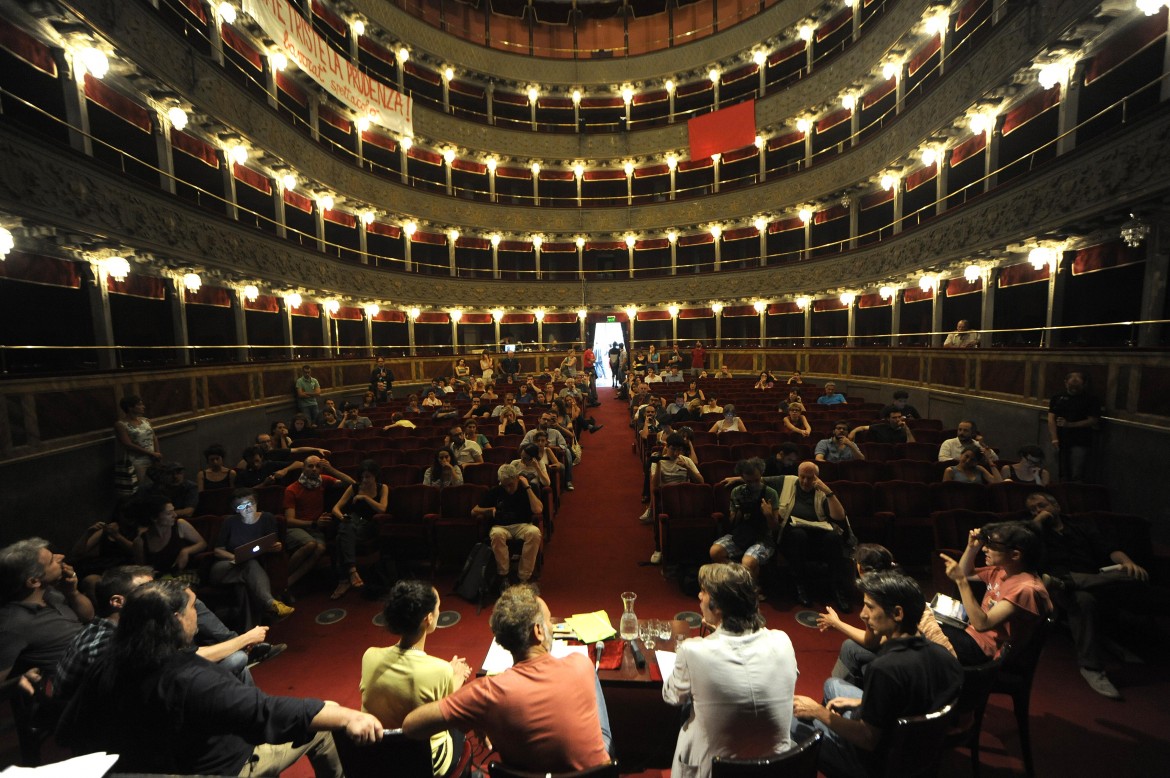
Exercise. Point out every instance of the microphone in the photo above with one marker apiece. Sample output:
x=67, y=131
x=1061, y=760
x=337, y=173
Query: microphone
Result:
x=639, y=658
x=598, y=650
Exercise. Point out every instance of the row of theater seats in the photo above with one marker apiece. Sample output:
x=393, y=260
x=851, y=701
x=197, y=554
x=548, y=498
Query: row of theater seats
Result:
x=896, y=514
x=422, y=525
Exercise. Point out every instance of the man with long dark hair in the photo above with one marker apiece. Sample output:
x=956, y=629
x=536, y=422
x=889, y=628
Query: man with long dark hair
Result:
x=164, y=709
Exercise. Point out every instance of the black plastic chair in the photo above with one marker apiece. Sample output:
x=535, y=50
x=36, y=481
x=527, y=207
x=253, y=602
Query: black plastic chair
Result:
x=395, y=754
x=915, y=744
x=608, y=770
x=971, y=706
x=798, y=762
x=1015, y=679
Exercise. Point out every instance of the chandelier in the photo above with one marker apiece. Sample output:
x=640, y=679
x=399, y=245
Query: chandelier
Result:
x=1134, y=231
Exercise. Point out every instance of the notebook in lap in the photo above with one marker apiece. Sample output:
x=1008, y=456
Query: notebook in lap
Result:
x=261, y=545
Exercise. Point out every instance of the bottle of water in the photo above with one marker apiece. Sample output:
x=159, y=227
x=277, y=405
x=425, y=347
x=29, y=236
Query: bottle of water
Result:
x=628, y=625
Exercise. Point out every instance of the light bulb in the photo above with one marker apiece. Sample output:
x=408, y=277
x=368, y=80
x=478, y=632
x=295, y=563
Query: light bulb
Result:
x=580, y=242
x=277, y=60
x=533, y=94
x=848, y=298
x=803, y=125
x=671, y=161
x=669, y=86
x=759, y=56
x=628, y=167
x=227, y=12
x=292, y=300
x=495, y=240
x=886, y=292
x=367, y=217
x=760, y=224
x=410, y=228
x=95, y=62
x=448, y=74
x=372, y=310
x=889, y=182
x=576, y=97
x=497, y=314
x=453, y=234
x=926, y=283
x=407, y=142
x=116, y=268
x=805, y=32
x=630, y=241
x=492, y=163
x=251, y=293
x=578, y=170
x=627, y=95
x=456, y=314
x=715, y=230
x=289, y=181
x=805, y=215
x=713, y=74
x=672, y=310
x=332, y=306
x=972, y=273
x=716, y=308
x=671, y=237
x=537, y=241
x=177, y=117
x=403, y=54
x=891, y=70
x=929, y=156
x=363, y=123
x=803, y=302
x=414, y=313
x=582, y=313
x=448, y=155
x=759, y=141
x=326, y=202
x=239, y=154
x=536, y=168
x=760, y=306
x=849, y=102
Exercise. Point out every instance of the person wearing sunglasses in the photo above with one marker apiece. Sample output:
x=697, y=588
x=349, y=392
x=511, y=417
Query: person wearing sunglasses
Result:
x=1016, y=599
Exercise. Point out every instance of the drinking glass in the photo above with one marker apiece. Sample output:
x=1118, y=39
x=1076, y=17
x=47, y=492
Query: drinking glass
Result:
x=648, y=632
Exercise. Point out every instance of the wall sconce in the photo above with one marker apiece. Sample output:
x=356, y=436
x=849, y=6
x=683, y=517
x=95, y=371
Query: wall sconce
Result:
x=453, y=235
x=580, y=242
x=410, y=228
x=495, y=240
x=227, y=12
x=251, y=293
x=576, y=97
x=7, y=242
x=371, y=310
x=413, y=313
x=498, y=315
x=972, y=273
x=886, y=292
x=716, y=308
x=669, y=86
x=671, y=237
x=116, y=268
x=673, y=311
x=448, y=74
x=803, y=125
x=539, y=314
x=760, y=306
x=326, y=202
x=192, y=281
x=403, y=54
x=805, y=215
x=537, y=241
x=631, y=311
x=456, y=315
x=292, y=300
x=627, y=94
x=630, y=241
x=715, y=230
x=582, y=314
x=277, y=61
x=177, y=117
x=760, y=223
x=805, y=32
x=848, y=298
x=448, y=156
x=533, y=94
x=671, y=161
x=759, y=56
x=803, y=302
x=332, y=306
x=927, y=282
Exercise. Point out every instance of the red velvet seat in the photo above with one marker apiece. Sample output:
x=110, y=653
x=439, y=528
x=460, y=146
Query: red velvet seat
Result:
x=411, y=512
x=688, y=522
x=400, y=475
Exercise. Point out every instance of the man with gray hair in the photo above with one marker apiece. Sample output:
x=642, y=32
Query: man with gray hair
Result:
x=41, y=609
x=510, y=508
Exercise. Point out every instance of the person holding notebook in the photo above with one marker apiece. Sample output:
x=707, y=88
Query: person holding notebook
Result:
x=247, y=525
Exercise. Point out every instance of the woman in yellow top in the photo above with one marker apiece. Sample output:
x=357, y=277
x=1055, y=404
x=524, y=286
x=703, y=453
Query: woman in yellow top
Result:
x=402, y=677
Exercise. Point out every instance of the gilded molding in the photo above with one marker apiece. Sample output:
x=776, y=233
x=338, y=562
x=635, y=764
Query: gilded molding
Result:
x=52, y=186
x=568, y=72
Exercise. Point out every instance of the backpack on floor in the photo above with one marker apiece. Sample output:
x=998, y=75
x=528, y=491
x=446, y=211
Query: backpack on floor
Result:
x=474, y=578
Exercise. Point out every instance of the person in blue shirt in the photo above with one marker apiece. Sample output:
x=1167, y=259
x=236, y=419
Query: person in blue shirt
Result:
x=831, y=396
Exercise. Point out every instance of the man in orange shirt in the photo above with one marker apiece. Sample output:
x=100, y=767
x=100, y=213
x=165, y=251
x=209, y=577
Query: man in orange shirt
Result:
x=543, y=714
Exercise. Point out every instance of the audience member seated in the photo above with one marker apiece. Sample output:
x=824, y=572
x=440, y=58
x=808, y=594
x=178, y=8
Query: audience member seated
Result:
x=412, y=405
x=711, y=405
x=431, y=400
x=812, y=527
x=737, y=684
x=724, y=372
x=162, y=709
x=466, y=452
x=137, y=442
x=1075, y=555
x=902, y=403
x=301, y=428
x=462, y=371
x=545, y=715
x=397, y=679
x=510, y=424
x=892, y=429
x=861, y=645
x=546, y=454
x=508, y=508
x=215, y=475
x=910, y=676
x=796, y=379
x=509, y=403
x=527, y=395
x=471, y=431
x=352, y=420
x=786, y=461
x=965, y=434
x=41, y=610
x=169, y=481
x=795, y=421
x=247, y=525
x=442, y=472
x=103, y=545
x=168, y=544
x=89, y=647
x=962, y=337
x=257, y=469
x=355, y=513
x=329, y=419
x=672, y=466
x=1030, y=469
x=839, y=447
x=304, y=505
x=652, y=376
x=972, y=468
x=693, y=392
x=729, y=423
x=562, y=449
x=754, y=519
x=831, y=396
x=765, y=381
x=1016, y=599
x=531, y=467
x=672, y=376
x=793, y=399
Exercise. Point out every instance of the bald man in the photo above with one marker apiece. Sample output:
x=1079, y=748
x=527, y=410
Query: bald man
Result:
x=304, y=507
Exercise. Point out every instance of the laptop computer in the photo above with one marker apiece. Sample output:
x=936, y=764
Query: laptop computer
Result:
x=261, y=545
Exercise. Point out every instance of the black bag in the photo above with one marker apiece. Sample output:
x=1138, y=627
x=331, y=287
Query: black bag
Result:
x=473, y=581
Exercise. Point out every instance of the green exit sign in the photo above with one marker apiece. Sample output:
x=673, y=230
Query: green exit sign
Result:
x=611, y=318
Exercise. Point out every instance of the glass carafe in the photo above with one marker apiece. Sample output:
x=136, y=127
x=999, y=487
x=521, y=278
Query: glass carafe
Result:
x=628, y=626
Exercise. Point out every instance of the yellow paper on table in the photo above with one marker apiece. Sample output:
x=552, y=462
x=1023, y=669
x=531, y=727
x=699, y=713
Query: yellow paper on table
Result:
x=592, y=627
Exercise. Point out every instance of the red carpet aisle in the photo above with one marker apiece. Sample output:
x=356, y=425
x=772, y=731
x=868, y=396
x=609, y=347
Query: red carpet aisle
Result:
x=595, y=556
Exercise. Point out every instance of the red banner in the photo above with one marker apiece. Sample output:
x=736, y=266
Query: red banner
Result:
x=1030, y=109
x=242, y=46
x=298, y=201
x=724, y=130
x=196, y=147
x=290, y=87
x=968, y=148
x=138, y=285
x=117, y=103
x=923, y=55
x=257, y=181
x=33, y=269
x=1106, y=256
x=24, y=46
